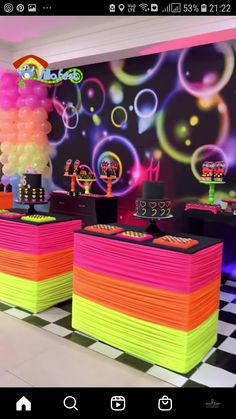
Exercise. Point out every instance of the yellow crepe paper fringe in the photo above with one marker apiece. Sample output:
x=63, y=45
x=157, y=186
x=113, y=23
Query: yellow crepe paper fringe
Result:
x=174, y=349
x=35, y=296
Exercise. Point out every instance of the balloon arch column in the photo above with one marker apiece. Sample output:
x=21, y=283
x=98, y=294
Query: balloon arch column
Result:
x=24, y=126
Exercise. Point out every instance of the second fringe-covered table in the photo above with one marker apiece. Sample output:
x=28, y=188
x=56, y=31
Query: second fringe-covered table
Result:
x=157, y=303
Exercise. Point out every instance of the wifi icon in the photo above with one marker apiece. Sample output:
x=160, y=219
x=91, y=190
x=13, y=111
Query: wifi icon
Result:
x=144, y=7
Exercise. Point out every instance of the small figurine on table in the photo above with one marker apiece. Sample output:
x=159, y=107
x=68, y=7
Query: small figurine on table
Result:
x=219, y=171
x=76, y=167
x=110, y=172
x=68, y=168
x=70, y=172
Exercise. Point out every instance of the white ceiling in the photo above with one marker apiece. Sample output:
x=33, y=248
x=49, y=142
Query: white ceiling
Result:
x=65, y=41
x=16, y=29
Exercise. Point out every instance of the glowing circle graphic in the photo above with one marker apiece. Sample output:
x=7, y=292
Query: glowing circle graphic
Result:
x=173, y=116
x=69, y=112
x=122, y=123
x=148, y=112
x=204, y=153
x=117, y=68
x=208, y=81
x=92, y=96
x=111, y=144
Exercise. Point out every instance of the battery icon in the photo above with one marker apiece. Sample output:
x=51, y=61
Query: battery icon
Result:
x=204, y=8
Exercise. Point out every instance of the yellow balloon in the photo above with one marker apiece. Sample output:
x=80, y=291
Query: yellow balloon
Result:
x=3, y=158
x=6, y=147
x=13, y=158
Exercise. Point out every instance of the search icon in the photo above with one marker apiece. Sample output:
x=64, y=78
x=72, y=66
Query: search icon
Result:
x=71, y=404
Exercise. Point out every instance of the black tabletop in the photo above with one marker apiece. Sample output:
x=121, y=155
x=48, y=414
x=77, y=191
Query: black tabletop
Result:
x=204, y=242
x=82, y=195
x=59, y=218
x=221, y=217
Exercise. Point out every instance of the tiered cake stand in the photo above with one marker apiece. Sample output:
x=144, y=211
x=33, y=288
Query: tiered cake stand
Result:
x=31, y=209
x=152, y=227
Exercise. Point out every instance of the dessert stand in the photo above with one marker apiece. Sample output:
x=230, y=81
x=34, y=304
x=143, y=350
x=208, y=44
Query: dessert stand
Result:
x=31, y=209
x=152, y=227
x=109, y=180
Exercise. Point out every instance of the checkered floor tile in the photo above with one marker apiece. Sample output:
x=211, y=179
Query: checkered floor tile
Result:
x=218, y=369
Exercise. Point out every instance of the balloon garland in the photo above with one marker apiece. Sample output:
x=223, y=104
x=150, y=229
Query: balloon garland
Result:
x=24, y=125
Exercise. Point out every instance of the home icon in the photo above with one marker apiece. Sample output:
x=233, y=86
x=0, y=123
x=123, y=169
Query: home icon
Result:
x=23, y=404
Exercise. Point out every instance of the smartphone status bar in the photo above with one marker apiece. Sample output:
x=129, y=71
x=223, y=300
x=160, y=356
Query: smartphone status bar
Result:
x=160, y=8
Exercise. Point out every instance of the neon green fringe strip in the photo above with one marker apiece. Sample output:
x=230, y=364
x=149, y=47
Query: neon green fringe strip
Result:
x=174, y=349
x=35, y=296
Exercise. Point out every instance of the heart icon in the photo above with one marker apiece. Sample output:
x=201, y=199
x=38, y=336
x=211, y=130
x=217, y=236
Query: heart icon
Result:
x=168, y=204
x=142, y=204
x=152, y=205
x=161, y=204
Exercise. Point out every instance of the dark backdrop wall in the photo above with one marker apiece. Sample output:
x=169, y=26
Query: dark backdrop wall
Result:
x=182, y=103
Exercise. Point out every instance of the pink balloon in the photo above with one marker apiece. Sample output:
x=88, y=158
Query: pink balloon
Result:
x=25, y=91
x=46, y=127
x=8, y=79
x=47, y=104
x=11, y=92
x=20, y=103
x=32, y=101
x=40, y=115
x=40, y=91
x=25, y=113
x=6, y=103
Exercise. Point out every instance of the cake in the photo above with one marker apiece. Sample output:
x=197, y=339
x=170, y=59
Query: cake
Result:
x=31, y=189
x=153, y=204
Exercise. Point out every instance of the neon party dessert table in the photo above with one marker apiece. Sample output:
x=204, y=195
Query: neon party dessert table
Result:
x=151, y=301
x=36, y=261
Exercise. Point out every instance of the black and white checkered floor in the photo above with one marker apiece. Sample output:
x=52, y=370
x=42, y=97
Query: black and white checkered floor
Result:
x=218, y=369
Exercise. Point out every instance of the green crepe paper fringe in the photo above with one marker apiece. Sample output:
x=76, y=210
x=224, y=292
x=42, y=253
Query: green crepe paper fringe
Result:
x=35, y=296
x=174, y=349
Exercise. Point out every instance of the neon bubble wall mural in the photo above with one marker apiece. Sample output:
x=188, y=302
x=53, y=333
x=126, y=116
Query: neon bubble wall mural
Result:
x=176, y=102
x=181, y=104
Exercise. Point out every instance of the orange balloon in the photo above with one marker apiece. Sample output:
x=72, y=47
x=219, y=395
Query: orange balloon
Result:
x=23, y=137
x=40, y=114
x=12, y=137
x=46, y=127
x=20, y=126
x=25, y=113
x=40, y=138
x=30, y=126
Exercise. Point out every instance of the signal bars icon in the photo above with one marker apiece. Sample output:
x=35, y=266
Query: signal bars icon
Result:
x=172, y=8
